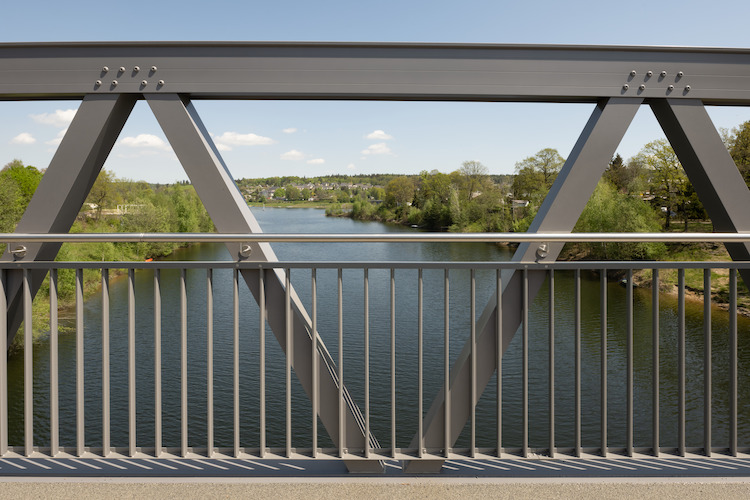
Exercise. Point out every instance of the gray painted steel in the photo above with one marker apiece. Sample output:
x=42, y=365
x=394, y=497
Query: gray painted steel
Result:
x=224, y=203
x=64, y=187
x=559, y=212
x=110, y=77
x=373, y=71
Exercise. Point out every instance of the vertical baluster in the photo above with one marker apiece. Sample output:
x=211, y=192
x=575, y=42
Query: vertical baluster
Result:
x=473, y=333
x=446, y=363
x=629, y=362
x=183, y=366
x=342, y=420
x=603, y=308
x=80, y=400
x=314, y=361
x=577, y=327
x=733, y=362
x=366, y=306
x=367, y=360
x=681, y=362
x=209, y=363
x=261, y=363
x=289, y=351
x=54, y=373
x=157, y=364
x=28, y=367
x=236, y=361
x=393, y=363
x=707, y=365
x=3, y=366
x=551, y=363
x=499, y=360
x=420, y=367
x=525, y=365
x=105, y=362
x=655, y=360
x=131, y=363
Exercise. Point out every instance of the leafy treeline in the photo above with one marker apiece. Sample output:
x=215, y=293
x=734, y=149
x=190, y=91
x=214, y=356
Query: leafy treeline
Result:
x=645, y=194
x=373, y=179
x=113, y=205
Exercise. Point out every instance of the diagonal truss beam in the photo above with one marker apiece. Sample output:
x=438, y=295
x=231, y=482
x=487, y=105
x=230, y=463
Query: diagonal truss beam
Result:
x=559, y=213
x=64, y=187
x=227, y=208
x=710, y=168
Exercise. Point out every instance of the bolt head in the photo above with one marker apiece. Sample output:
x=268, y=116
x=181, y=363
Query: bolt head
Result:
x=105, y=69
x=642, y=87
x=98, y=83
x=633, y=73
x=680, y=74
x=670, y=88
x=663, y=74
x=625, y=87
x=114, y=83
x=137, y=69
x=649, y=74
x=687, y=88
x=144, y=82
x=122, y=69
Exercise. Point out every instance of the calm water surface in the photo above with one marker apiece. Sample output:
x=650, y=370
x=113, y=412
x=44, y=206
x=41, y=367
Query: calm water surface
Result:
x=314, y=221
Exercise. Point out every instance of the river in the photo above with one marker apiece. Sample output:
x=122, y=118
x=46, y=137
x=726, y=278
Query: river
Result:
x=314, y=221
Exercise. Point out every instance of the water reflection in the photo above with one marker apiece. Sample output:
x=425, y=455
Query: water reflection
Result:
x=308, y=220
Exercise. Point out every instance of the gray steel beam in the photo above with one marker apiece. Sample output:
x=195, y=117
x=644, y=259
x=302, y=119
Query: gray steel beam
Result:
x=710, y=168
x=64, y=187
x=214, y=184
x=385, y=71
x=559, y=213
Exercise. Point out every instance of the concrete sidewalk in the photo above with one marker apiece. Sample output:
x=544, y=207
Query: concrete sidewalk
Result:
x=374, y=488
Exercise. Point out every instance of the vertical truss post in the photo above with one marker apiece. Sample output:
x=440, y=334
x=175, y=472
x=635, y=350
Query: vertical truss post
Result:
x=64, y=187
x=559, y=213
x=228, y=210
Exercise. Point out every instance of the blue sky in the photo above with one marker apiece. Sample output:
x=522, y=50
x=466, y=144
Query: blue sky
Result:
x=313, y=138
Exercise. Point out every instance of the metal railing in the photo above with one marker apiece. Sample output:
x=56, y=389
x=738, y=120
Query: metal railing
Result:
x=612, y=371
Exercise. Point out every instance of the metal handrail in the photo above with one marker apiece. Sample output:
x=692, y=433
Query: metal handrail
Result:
x=372, y=238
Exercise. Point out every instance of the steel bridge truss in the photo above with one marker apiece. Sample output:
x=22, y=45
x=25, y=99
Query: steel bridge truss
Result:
x=110, y=77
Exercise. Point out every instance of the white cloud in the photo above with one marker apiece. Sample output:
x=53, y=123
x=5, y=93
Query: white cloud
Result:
x=289, y=130
x=378, y=135
x=236, y=139
x=380, y=148
x=316, y=161
x=222, y=147
x=351, y=166
x=58, y=139
x=60, y=118
x=146, y=141
x=23, y=138
x=293, y=155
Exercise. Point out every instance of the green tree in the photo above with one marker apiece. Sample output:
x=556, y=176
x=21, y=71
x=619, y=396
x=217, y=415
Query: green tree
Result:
x=27, y=178
x=669, y=184
x=399, y=191
x=617, y=174
x=293, y=193
x=474, y=176
x=102, y=191
x=546, y=162
x=738, y=144
x=609, y=210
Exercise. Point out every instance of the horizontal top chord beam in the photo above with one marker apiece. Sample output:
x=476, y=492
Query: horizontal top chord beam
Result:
x=373, y=71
